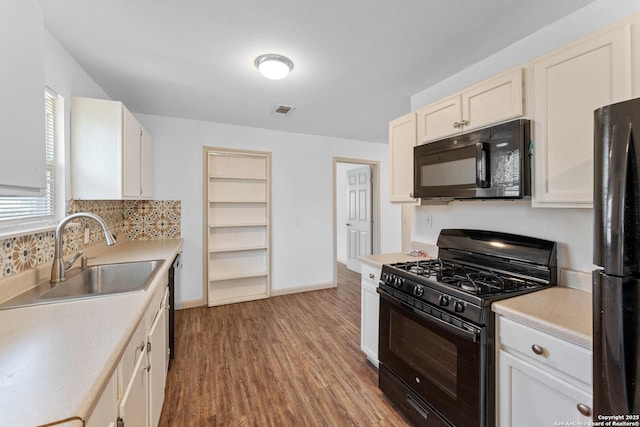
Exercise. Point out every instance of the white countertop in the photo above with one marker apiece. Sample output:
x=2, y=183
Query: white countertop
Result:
x=559, y=311
x=55, y=359
x=379, y=259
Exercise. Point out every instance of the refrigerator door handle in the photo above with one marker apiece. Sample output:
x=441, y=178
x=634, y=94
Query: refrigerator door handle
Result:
x=615, y=199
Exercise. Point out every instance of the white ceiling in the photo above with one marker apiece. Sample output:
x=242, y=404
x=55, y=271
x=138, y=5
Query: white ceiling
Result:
x=357, y=62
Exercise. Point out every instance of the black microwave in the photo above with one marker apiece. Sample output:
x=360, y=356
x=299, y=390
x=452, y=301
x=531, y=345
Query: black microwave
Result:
x=490, y=163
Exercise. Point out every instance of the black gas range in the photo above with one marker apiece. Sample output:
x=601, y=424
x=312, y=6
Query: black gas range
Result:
x=436, y=345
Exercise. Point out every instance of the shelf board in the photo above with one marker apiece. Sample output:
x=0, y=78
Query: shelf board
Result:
x=238, y=249
x=239, y=201
x=248, y=224
x=239, y=177
x=237, y=276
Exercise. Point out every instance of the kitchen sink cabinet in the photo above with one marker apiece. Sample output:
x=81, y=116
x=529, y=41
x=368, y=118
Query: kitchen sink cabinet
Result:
x=111, y=153
x=402, y=139
x=370, y=307
x=567, y=86
x=135, y=393
x=491, y=101
x=105, y=413
x=541, y=379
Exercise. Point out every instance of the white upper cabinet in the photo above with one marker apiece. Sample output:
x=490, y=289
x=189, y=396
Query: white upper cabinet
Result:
x=402, y=139
x=439, y=119
x=491, y=101
x=567, y=86
x=22, y=143
x=111, y=153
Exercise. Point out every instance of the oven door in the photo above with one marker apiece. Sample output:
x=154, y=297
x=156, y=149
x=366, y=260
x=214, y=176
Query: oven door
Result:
x=443, y=364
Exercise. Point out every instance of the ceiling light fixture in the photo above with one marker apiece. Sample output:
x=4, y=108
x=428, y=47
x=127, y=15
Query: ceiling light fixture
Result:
x=274, y=67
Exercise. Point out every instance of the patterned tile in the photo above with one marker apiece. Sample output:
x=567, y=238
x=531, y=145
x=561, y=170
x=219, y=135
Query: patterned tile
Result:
x=138, y=219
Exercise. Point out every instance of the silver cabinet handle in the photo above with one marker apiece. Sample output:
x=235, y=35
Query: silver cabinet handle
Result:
x=539, y=350
x=141, y=346
x=584, y=409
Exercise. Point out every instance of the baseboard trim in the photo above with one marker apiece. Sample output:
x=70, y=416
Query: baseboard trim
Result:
x=299, y=289
x=190, y=304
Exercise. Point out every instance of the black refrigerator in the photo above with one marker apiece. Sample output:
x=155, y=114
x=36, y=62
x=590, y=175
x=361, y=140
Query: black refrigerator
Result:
x=616, y=253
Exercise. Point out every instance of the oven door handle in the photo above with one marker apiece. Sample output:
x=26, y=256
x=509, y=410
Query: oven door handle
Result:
x=460, y=332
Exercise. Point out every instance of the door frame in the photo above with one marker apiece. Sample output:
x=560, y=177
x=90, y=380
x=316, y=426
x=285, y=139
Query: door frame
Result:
x=375, y=207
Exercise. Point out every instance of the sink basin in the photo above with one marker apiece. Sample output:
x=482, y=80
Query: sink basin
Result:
x=94, y=281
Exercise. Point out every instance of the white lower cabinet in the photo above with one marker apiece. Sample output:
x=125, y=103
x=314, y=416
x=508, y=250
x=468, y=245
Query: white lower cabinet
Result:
x=157, y=347
x=105, y=412
x=135, y=393
x=542, y=379
x=370, y=306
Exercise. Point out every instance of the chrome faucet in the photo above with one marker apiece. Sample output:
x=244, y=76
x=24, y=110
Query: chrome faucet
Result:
x=59, y=266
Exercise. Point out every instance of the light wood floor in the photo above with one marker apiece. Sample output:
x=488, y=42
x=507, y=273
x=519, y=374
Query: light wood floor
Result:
x=291, y=360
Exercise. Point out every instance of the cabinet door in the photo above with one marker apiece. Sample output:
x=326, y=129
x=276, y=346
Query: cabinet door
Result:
x=529, y=396
x=133, y=406
x=402, y=139
x=131, y=155
x=105, y=412
x=22, y=109
x=440, y=119
x=568, y=85
x=146, y=165
x=157, y=364
x=370, y=305
x=492, y=101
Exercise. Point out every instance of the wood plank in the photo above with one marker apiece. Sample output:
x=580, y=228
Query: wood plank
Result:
x=291, y=360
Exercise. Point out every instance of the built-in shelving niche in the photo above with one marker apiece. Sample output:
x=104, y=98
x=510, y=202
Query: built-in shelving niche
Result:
x=238, y=211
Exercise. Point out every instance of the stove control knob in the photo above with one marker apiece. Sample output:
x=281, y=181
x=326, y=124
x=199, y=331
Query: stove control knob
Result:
x=458, y=307
x=397, y=282
x=418, y=290
x=443, y=300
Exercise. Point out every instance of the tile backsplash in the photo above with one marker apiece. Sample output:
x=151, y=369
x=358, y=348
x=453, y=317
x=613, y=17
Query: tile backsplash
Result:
x=137, y=219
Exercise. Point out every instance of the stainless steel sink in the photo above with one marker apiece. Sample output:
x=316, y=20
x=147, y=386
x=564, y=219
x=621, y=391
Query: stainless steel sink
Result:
x=94, y=281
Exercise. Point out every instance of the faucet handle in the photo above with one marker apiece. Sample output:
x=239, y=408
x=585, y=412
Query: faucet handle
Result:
x=68, y=264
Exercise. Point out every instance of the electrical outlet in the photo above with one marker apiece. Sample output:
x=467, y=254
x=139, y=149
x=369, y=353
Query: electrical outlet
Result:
x=429, y=220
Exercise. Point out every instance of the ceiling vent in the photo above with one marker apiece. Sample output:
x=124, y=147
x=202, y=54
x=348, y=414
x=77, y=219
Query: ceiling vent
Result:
x=282, y=110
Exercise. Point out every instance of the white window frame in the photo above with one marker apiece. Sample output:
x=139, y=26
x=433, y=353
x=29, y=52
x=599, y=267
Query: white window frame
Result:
x=45, y=220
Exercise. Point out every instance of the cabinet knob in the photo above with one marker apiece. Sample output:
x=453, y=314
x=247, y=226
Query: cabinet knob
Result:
x=537, y=349
x=463, y=122
x=411, y=195
x=584, y=409
x=371, y=276
x=141, y=346
x=456, y=124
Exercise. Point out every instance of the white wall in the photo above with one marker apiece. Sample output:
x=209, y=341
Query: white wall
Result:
x=67, y=78
x=571, y=228
x=302, y=187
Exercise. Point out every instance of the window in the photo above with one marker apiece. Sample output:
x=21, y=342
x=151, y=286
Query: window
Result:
x=28, y=211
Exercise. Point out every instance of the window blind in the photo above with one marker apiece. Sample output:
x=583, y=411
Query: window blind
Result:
x=16, y=210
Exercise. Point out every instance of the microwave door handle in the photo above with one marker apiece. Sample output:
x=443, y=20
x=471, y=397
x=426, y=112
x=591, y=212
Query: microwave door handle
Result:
x=482, y=171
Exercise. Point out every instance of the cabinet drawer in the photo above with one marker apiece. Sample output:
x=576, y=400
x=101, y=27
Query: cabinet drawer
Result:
x=555, y=353
x=370, y=273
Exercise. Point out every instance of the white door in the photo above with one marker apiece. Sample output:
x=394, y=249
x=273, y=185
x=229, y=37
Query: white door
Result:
x=359, y=222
